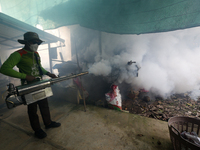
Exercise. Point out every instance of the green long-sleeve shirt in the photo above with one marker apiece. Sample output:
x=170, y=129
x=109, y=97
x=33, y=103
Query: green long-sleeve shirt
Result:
x=25, y=61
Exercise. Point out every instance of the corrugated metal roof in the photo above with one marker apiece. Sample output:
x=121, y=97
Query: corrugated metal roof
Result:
x=12, y=29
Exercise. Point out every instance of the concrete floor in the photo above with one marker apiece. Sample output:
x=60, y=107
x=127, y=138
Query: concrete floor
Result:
x=96, y=129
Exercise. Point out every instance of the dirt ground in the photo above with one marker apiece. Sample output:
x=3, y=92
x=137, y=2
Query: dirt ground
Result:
x=97, y=128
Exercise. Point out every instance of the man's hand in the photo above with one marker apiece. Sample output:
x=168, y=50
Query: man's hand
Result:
x=29, y=78
x=51, y=75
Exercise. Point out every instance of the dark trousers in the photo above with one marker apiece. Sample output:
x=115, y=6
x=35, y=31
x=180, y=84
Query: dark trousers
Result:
x=44, y=110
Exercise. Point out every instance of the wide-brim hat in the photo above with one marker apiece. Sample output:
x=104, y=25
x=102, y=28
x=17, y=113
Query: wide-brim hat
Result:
x=30, y=36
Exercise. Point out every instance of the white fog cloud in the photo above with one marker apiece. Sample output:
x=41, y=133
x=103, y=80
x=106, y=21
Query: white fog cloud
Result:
x=170, y=61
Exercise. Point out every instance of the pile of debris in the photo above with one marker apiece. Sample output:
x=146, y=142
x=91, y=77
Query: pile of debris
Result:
x=138, y=102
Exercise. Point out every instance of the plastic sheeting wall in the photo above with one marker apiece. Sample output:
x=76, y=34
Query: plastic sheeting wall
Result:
x=114, y=16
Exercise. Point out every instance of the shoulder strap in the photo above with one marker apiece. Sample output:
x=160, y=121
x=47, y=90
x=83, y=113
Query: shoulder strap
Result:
x=39, y=68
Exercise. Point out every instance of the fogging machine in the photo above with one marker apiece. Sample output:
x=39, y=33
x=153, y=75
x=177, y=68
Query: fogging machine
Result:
x=30, y=93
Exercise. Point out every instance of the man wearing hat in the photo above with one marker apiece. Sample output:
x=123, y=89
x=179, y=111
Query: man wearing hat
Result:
x=27, y=60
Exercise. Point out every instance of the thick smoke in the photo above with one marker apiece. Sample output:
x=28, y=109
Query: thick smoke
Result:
x=169, y=61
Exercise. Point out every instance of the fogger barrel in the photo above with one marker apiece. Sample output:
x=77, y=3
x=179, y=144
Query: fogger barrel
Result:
x=36, y=86
x=36, y=91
